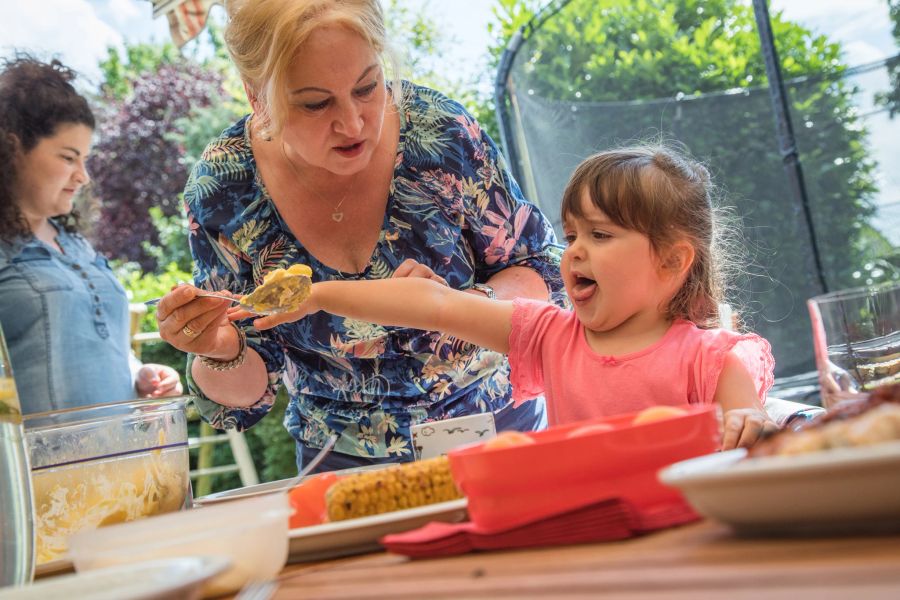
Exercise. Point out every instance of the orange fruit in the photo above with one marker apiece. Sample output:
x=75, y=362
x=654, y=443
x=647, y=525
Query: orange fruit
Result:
x=308, y=500
x=589, y=429
x=658, y=413
x=507, y=439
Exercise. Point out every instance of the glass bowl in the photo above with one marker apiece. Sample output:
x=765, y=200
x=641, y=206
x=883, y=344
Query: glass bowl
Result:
x=105, y=464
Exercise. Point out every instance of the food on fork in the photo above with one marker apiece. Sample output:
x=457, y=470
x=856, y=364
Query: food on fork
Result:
x=282, y=290
x=872, y=420
x=394, y=488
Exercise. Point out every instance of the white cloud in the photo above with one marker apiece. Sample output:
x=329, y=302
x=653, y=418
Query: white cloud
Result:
x=863, y=27
x=69, y=30
x=123, y=11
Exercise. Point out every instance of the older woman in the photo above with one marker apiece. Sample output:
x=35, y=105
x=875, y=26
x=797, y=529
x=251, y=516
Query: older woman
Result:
x=360, y=178
x=64, y=315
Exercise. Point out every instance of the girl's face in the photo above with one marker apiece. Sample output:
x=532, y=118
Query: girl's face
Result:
x=52, y=172
x=336, y=102
x=612, y=275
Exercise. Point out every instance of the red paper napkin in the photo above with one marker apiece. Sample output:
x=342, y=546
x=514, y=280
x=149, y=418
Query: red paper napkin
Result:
x=612, y=519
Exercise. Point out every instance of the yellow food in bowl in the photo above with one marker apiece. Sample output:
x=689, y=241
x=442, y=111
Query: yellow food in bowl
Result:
x=9, y=401
x=72, y=498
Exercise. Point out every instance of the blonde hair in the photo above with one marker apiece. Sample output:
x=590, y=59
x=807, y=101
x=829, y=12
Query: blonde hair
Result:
x=264, y=35
x=667, y=197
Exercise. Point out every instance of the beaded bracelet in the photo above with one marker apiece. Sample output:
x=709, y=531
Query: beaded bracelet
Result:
x=227, y=365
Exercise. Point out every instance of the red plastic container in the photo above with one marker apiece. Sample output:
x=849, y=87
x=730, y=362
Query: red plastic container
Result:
x=515, y=485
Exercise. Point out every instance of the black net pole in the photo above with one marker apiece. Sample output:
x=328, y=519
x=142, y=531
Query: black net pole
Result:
x=785, y=131
x=507, y=139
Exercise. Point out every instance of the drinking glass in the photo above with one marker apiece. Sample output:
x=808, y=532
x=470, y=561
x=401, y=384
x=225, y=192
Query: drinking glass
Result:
x=856, y=336
x=16, y=510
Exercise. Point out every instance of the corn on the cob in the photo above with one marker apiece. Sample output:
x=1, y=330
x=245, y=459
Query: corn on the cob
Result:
x=394, y=488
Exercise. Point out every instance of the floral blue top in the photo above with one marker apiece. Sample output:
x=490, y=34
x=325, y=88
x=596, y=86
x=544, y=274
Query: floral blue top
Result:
x=453, y=206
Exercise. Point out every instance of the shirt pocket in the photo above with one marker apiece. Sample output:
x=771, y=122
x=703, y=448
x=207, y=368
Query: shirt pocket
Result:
x=42, y=272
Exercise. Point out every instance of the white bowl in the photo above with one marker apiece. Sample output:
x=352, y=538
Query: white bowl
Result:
x=832, y=491
x=251, y=532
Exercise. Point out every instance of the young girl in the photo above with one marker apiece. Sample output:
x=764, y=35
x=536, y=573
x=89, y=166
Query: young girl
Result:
x=640, y=270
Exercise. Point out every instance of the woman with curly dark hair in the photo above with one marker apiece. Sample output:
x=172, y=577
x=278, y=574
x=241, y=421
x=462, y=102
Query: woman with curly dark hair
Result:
x=64, y=315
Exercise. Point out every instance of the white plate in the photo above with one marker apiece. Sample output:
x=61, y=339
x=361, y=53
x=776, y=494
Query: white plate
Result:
x=175, y=579
x=838, y=490
x=354, y=536
x=259, y=489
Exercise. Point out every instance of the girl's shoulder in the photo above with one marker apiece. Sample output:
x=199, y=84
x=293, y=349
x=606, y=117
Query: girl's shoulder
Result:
x=532, y=316
x=712, y=345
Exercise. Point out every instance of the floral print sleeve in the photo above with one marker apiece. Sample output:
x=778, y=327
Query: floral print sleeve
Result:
x=452, y=206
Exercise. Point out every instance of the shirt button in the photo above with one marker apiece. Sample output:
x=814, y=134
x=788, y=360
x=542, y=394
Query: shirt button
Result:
x=99, y=312
x=91, y=285
x=76, y=266
x=84, y=275
x=96, y=298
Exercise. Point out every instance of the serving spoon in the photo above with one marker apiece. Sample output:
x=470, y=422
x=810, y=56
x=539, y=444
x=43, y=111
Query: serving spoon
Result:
x=285, y=485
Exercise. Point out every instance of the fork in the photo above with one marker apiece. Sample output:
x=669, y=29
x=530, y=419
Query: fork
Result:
x=258, y=590
x=155, y=301
x=247, y=307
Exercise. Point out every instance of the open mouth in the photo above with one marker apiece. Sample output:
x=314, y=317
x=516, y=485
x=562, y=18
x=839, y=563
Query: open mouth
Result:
x=350, y=150
x=582, y=288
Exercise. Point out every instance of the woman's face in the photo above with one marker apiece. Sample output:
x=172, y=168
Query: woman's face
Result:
x=53, y=171
x=336, y=102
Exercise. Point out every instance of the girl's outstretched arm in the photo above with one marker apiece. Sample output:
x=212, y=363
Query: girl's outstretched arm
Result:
x=744, y=420
x=408, y=302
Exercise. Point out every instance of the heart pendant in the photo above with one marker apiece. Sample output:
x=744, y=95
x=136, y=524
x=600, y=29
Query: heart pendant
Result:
x=337, y=217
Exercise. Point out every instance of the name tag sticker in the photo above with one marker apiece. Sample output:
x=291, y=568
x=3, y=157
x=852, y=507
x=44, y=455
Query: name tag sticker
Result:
x=439, y=437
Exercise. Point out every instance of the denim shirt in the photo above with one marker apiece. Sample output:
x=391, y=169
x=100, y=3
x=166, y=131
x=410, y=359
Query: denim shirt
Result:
x=66, y=322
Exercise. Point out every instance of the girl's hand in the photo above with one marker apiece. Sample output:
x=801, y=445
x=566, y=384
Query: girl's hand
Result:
x=156, y=381
x=743, y=427
x=197, y=325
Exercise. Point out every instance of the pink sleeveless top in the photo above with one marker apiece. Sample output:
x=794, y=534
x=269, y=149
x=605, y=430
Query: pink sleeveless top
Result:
x=549, y=355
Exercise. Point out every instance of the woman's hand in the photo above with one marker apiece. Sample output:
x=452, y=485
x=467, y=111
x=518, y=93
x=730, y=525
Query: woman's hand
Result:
x=197, y=325
x=743, y=427
x=156, y=381
x=411, y=268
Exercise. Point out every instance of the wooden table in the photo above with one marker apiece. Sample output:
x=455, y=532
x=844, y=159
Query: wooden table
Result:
x=702, y=560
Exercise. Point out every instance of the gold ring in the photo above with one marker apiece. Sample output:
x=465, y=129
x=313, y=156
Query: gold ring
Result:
x=189, y=332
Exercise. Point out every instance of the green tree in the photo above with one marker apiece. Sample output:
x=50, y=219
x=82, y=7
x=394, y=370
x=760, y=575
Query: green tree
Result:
x=703, y=59
x=891, y=99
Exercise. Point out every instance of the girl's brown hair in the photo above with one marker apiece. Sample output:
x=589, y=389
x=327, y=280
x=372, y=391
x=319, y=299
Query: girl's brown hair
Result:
x=666, y=196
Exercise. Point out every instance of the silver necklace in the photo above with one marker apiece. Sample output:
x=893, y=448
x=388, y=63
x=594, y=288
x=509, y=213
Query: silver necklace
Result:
x=337, y=215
